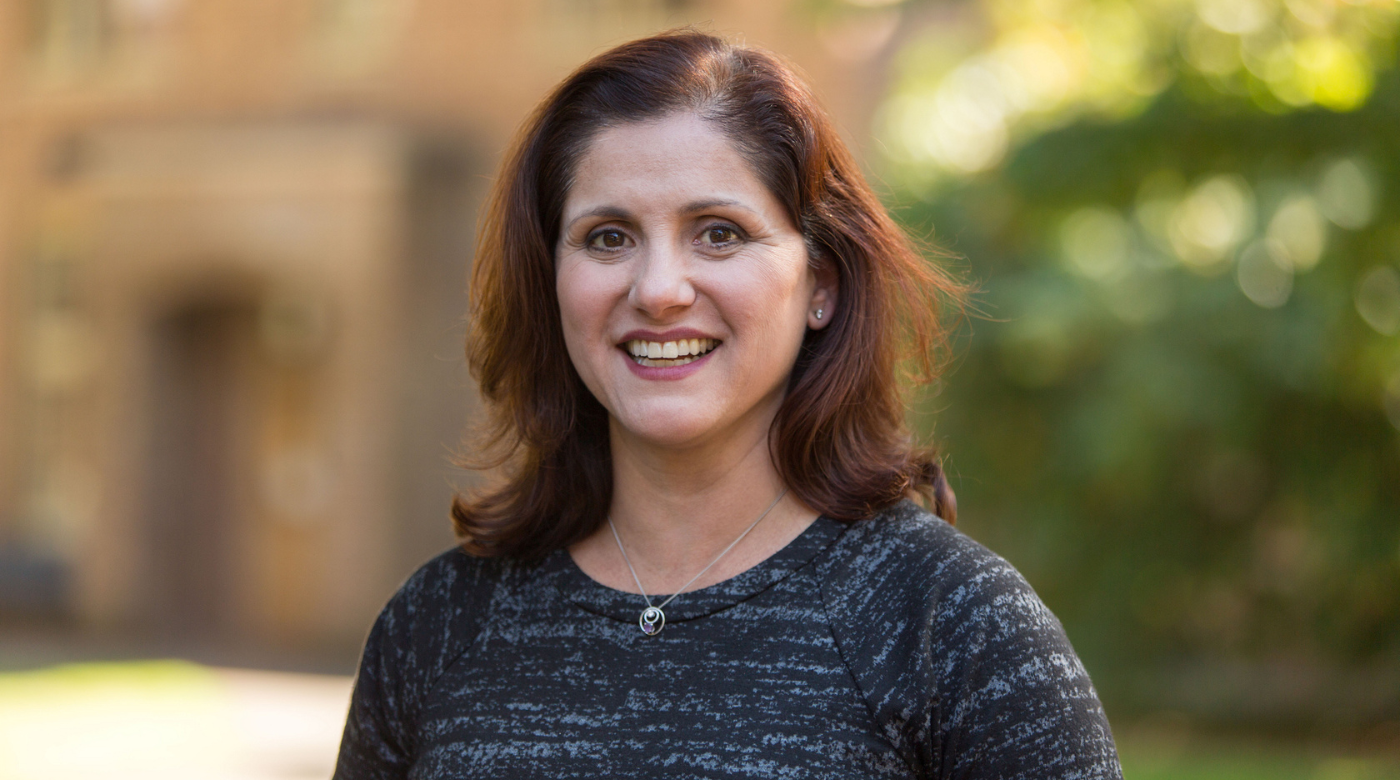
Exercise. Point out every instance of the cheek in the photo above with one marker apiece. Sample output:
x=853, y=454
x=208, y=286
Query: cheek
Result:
x=585, y=299
x=775, y=297
x=576, y=298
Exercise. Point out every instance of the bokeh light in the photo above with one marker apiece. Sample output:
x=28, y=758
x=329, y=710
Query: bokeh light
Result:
x=1045, y=64
x=1298, y=233
x=1264, y=276
x=1378, y=299
x=1214, y=218
x=1346, y=194
x=1184, y=391
x=1097, y=242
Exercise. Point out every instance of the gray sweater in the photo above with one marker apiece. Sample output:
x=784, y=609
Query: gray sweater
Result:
x=890, y=647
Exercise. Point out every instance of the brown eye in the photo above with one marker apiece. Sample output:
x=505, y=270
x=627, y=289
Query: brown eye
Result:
x=720, y=234
x=608, y=239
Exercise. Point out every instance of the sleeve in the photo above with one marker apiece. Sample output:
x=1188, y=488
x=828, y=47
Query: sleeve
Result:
x=429, y=624
x=966, y=673
x=1016, y=701
x=377, y=737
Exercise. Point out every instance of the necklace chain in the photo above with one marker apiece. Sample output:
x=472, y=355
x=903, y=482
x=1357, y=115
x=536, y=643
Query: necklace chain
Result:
x=681, y=589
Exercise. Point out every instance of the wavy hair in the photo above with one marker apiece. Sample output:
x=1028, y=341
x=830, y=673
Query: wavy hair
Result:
x=839, y=439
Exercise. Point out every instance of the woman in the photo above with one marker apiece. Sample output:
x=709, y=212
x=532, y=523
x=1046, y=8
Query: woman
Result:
x=687, y=313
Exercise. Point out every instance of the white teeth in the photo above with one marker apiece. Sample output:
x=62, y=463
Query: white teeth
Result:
x=679, y=352
x=667, y=363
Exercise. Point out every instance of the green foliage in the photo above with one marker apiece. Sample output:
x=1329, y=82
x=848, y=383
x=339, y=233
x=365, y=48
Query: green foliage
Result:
x=1181, y=415
x=1148, y=761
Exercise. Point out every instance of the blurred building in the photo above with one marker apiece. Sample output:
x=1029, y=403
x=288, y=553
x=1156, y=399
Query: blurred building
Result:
x=234, y=243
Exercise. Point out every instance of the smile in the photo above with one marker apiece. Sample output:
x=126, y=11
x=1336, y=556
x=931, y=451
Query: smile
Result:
x=665, y=354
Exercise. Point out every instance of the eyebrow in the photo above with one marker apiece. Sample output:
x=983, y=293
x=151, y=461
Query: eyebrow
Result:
x=611, y=212
x=614, y=212
x=703, y=205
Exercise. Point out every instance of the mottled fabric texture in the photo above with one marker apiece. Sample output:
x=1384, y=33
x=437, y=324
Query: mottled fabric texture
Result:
x=892, y=647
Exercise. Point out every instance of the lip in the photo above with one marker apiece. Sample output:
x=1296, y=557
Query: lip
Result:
x=666, y=373
x=674, y=334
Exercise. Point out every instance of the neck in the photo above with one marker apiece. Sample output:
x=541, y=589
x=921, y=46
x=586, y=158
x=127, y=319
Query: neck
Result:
x=684, y=499
x=675, y=509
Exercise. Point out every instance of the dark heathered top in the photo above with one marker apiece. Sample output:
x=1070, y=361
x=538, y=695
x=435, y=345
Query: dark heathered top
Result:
x=892, y=647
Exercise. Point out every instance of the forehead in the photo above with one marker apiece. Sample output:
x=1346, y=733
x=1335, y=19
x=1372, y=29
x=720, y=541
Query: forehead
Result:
x=655, y=162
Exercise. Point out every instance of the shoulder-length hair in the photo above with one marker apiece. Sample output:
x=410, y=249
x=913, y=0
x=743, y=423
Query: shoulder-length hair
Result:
x=838, y=441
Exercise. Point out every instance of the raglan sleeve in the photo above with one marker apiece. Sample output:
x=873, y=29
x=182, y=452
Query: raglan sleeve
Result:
x=377, y=737
x=425, y=627
x=966, y=673
x=1015, y=700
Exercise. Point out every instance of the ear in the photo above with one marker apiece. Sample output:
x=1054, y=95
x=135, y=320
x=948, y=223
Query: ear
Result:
x=824, y=295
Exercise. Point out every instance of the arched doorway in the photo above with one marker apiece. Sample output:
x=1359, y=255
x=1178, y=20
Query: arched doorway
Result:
x=198, y=467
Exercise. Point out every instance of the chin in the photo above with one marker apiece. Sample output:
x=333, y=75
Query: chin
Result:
x=667, y=428
x=678, y=436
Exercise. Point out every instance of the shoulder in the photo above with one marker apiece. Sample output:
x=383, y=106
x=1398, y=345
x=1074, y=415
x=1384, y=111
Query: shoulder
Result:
x=911, y=576
x=962, y=664
x=438, y=607
x=442, y=581
x=432, y=620
x=907, y=547
x=429, y=623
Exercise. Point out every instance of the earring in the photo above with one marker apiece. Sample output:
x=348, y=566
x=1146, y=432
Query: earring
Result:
x=819, y=314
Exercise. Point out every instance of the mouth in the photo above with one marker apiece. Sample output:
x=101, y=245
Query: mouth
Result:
x=666, y=354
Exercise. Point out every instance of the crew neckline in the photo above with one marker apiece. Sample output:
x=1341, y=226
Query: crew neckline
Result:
x=592, y=596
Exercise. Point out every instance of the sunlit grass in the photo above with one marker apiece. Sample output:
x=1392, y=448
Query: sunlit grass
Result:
x=168, y=719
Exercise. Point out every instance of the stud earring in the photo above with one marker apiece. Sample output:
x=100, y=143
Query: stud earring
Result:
x=819, y=314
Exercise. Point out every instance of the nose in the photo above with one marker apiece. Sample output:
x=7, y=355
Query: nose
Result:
x=661, y=283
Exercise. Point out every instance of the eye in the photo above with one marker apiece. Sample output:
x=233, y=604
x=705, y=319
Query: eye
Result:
x=608, y=240
x=720, y=235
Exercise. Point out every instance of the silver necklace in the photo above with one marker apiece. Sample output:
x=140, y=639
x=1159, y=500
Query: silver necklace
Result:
x=653, y=619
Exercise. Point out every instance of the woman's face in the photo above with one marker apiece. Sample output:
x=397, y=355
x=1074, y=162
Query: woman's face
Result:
x=684, y=288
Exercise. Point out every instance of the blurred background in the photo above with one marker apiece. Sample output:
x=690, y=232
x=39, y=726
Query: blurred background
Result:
x=234, y=245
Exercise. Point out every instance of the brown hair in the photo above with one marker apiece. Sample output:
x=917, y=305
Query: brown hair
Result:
x=839, y=441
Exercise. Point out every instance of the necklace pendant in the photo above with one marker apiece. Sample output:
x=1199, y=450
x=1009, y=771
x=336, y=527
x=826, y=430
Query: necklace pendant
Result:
x=652, y=620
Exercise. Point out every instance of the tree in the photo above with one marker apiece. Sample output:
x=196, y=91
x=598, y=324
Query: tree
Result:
x=1180, y=416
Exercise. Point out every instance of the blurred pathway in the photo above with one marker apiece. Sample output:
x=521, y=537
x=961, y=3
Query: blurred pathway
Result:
x=154, y=720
